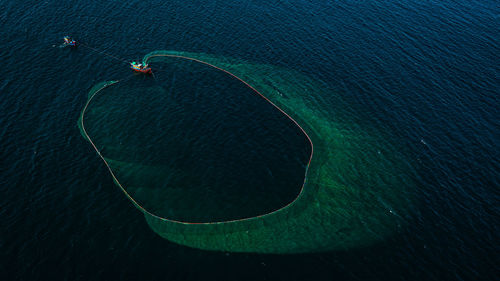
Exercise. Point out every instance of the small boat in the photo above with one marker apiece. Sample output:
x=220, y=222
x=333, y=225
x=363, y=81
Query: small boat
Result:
x=137, y=67
x=69, y=42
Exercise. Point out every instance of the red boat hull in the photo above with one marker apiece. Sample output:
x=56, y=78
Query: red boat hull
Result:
x=144, y=70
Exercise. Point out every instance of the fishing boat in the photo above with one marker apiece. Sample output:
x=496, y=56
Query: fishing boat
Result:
x=138, y=67
x=69, y=42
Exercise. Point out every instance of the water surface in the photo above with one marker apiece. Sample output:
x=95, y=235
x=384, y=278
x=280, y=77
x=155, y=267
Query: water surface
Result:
x=420, y=74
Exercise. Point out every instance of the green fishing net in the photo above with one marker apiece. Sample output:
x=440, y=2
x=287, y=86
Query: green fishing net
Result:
x=354, y=193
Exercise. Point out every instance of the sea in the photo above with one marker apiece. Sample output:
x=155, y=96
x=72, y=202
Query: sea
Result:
x=423, y=75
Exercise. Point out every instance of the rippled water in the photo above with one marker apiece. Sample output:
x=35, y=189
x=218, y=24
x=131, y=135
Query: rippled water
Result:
x=422, y=75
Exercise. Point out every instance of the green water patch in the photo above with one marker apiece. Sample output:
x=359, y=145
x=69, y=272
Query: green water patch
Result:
x=357, y=185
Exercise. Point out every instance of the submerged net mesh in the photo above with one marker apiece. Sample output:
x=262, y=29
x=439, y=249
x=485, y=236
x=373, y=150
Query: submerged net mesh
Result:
x=351, y=196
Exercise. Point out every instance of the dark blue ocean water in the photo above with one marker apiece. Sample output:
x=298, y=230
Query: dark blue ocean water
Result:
x=423, y=72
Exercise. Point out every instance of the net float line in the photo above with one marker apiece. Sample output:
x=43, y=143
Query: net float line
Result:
x=142, y=208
